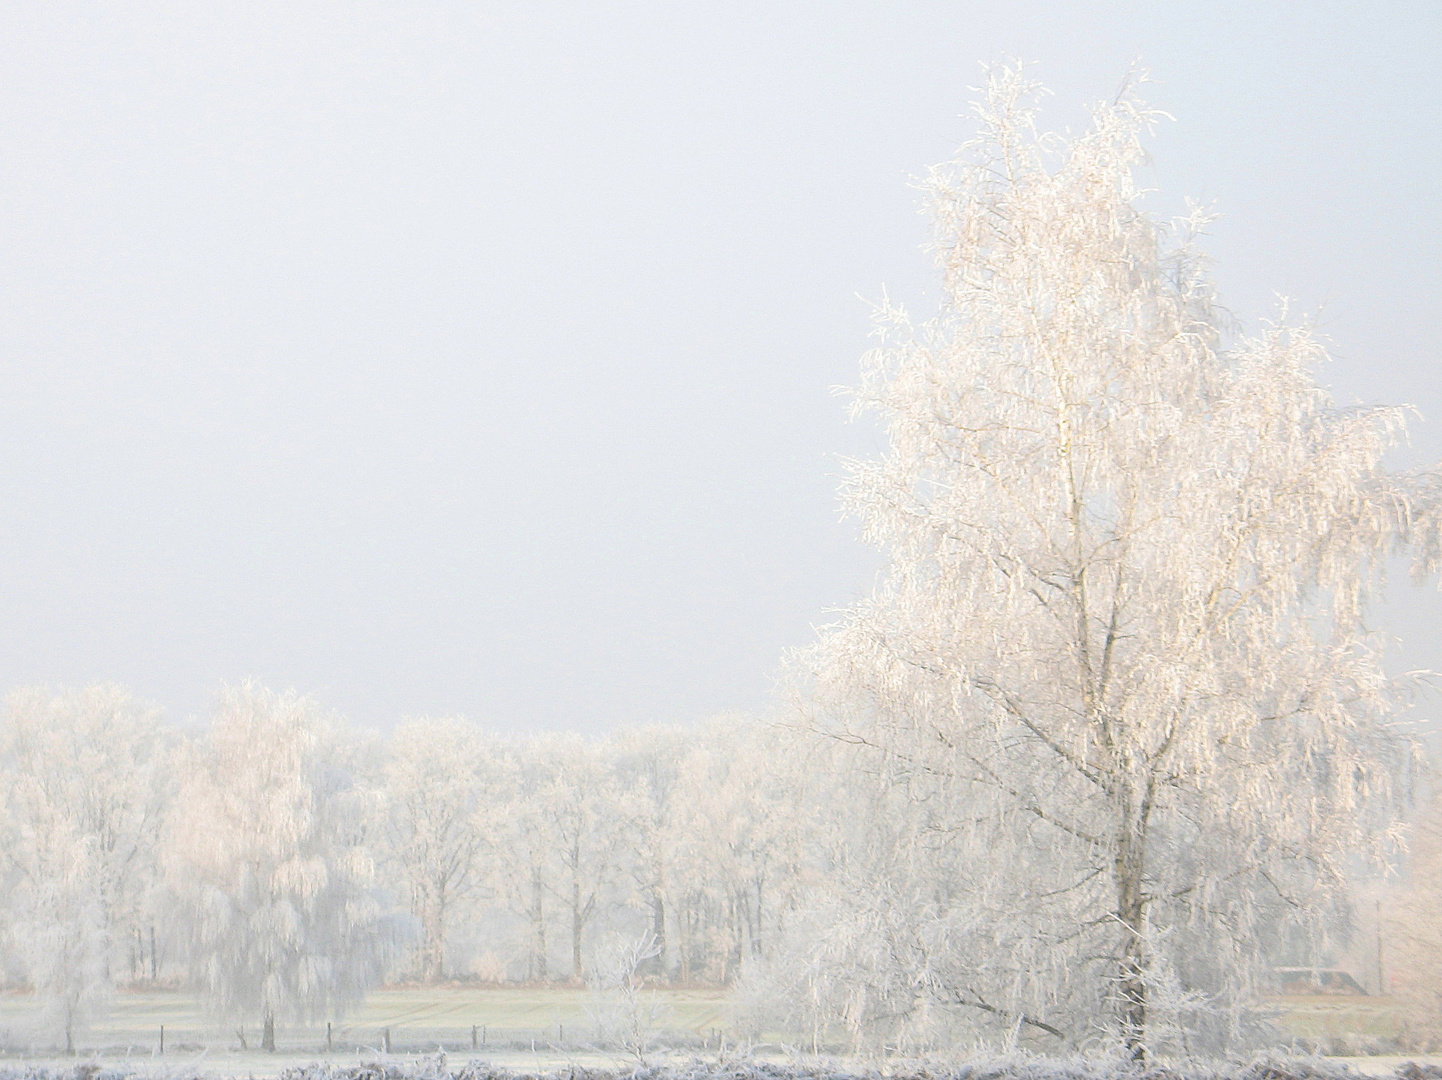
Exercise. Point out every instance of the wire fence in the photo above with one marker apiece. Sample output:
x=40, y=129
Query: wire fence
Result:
x=418, y=1021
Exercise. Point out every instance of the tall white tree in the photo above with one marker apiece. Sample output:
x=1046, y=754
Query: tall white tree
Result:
x=268, y=852
x=1117, y=684
x=435, y=789
x=86, y=777
x=523, y=871
x=648, y=768
x=591, y=824
x=745, y=841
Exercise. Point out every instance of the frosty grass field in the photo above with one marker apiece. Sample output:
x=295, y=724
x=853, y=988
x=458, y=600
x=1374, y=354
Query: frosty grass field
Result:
x=527, y=1030
x=559, y=1022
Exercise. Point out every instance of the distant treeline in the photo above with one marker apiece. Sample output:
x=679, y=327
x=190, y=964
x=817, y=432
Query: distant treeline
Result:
x=284, y=862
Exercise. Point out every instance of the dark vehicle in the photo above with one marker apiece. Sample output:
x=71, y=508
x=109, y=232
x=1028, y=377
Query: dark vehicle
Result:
x=1316, y=981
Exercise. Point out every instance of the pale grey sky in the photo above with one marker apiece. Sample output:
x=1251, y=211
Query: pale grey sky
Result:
x=475, y=357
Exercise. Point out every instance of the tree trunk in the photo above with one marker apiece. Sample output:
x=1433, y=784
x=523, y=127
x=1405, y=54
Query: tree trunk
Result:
x=437, y=962
x=433, y=924
x=658, y=931
x=576, y=921
x=538, y=925
x=683, y=946
x=756, y=944
x=267, y=1036
x=1132, y=990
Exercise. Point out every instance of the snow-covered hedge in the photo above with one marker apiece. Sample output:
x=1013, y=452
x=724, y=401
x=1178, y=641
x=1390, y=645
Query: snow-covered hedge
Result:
x=437, y=1068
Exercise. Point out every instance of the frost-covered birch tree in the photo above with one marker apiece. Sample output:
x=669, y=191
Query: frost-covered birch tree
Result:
x=647, y=764
x=434, y=793
x=85, y=776
x=267, y=850
x=1116, y=683
x=744, y=826
x=523, y=872
x=591, y=825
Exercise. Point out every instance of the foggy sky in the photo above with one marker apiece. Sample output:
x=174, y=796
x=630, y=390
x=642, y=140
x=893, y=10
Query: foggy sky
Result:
x=477, y=357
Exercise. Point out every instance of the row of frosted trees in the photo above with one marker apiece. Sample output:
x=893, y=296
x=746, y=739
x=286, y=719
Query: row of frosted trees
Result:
x=284, y=862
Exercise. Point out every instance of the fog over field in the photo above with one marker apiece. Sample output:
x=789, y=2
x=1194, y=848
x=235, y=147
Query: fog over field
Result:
x=450, y=358
x=792, y=526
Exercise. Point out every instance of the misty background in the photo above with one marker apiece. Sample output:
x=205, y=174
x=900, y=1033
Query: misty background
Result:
x=475, y=357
